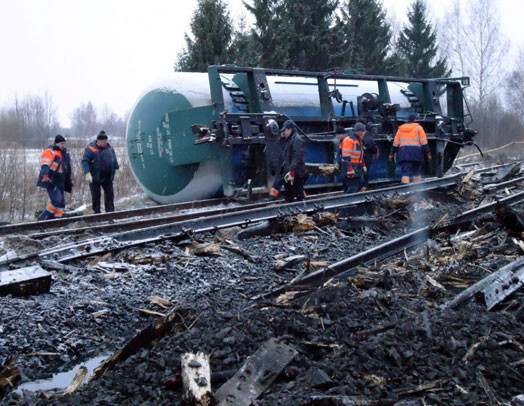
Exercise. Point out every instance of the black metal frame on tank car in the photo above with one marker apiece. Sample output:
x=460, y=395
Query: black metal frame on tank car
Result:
x=258, y=121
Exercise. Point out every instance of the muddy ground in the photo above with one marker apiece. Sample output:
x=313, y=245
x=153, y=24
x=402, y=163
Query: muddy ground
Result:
x=95, y=310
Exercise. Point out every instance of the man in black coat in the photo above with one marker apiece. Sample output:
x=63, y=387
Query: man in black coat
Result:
x=370, y=151
x=292, y=174
x=100, y=168
x=55, y=177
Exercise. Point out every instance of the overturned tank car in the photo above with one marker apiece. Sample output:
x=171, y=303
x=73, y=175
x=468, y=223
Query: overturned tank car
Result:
x=199, y=135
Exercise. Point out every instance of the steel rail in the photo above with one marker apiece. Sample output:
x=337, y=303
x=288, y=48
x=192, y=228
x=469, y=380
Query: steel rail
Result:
x=492, y=188
x=116, y=215
x=126, y=214
x=241, y=218
x=273, y=211
x=385, y=250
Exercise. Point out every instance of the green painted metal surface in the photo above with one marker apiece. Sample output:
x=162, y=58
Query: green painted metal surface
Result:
x=160, y=143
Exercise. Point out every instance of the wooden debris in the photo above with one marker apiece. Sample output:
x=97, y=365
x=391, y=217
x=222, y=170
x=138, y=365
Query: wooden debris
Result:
x=9, y=375
x=196, y=378
x=256, y=375
x=419, y=388
x=151, y=312
x=282, y=264
x=231, y=246
x=100, y=259
x=469, y=175
x=489, y=392
x=326, y=170
x=208, y=248
x=324, y=400
x=469, y=354
x=163, y=303
x=27, y=281
x=99, y=313
x=441, y=221
x=97, y=303
x=434, y=283
x=42, y=354
x=112, y=266
x=325, y=218
x=146, y=337
x=300, y=222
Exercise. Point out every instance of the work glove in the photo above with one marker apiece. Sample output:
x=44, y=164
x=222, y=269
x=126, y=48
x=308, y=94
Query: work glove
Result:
x=290, y=177
x=45, y=178
x=350, y=172
x=428, y=155
x=391, y=157
x=89, y=178
x=337, y=167
x=117, y=173
x=365, y=169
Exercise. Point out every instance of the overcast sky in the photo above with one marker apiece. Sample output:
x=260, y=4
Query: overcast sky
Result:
x=107, y=51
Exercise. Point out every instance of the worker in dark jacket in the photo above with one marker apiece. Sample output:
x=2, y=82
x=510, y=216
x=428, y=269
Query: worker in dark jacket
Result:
x=350, y=161
x=412, y=145
x=370, y=151
x=292, y=173
x=100, y=168
x=55, y=176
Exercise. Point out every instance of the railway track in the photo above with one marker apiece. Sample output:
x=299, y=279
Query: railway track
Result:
x=109, y=222
x=181, y=226
x=119, y=236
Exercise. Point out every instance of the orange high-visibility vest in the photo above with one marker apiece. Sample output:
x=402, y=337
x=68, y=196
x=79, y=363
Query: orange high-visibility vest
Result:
x=351, y=149
x=410, y=134
x=53, y=159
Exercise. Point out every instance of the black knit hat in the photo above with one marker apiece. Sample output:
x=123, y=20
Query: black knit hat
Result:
x=102, y=135
x=359, y=127
x=59, y=138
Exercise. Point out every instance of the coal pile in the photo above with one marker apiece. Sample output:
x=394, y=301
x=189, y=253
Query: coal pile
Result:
x=378, y=336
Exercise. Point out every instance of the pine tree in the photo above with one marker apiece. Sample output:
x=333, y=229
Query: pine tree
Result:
x=416, y=48
x=295, y=34
x=244, y=50
x=268, y=33
x=308, y=33
x=212, y=34
x=367, y=36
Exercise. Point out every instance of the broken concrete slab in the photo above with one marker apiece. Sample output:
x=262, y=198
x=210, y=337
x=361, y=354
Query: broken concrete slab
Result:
x=26, y=281
x=256, y=375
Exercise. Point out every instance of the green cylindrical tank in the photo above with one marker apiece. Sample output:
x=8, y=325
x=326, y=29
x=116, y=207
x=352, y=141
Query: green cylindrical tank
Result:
x=160, y=143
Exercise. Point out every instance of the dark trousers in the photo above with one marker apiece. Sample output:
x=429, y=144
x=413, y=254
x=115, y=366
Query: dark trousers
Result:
x=354, y=184
x=411, y=171
x=96, y=195
x=55, y=207
x=295, y=191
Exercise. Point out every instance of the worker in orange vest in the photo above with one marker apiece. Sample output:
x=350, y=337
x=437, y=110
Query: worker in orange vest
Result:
x=350, y=160
x=412, y=145
x=370, y=150
x=55, y=177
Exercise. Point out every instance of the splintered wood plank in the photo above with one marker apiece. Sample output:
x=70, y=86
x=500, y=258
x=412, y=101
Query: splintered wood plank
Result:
x=176, y=318
x=256, y=375
x=27, y=281
x=196, y=378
